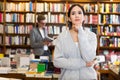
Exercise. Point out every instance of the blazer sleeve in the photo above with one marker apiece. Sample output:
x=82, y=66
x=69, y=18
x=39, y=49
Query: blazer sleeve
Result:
x=87, y=44
x=33, y=39
x=61, y=61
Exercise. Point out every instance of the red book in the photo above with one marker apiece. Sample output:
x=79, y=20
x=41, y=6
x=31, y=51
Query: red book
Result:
x=1, y=17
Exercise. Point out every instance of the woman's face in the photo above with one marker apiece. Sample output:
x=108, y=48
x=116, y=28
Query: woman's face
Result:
x=76, y=16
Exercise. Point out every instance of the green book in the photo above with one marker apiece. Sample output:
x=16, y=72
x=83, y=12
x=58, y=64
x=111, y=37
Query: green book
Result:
x=41, y=67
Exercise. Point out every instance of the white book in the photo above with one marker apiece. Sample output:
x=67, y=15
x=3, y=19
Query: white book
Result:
x=51, y=7
x=5, y=62
x=49, y=17
x=113, y=58
x=46, y=7
x=24, y=61
x=27, y=6
x=100, y=58
x=4, y=70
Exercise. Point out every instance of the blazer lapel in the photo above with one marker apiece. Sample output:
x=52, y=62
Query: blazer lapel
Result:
x=39, y=33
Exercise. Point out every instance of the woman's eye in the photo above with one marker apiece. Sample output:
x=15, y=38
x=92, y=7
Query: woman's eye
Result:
x=73, y=13
x=79, y=12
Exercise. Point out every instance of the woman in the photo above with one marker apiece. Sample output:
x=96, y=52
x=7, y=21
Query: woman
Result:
x=75, y=49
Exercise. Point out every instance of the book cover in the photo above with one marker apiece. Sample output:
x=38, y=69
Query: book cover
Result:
x=48, y=39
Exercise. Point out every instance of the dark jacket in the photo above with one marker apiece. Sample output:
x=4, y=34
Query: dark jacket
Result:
x=36, y=41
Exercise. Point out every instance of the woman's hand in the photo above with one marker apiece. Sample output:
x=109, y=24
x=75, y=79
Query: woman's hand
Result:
x=89, y=64
x=76, y=27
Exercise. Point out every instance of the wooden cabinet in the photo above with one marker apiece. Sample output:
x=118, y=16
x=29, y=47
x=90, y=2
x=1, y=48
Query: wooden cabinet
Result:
x=23, y=77
x=113, y=76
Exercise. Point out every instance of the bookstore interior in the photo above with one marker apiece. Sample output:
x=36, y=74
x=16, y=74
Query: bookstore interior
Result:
x=18, y=17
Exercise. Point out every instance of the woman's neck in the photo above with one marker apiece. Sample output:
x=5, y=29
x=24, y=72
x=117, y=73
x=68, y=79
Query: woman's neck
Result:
x=73, y=30
x=74, y=35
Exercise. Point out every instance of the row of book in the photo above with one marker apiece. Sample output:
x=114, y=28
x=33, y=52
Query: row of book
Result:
x=18, y=29
x=21, y=6
x=109, y=19
x=107, y=8
x=11, y=51
x=109, y=54
x=46, y=7
x=17, y=40
x=110, y=30
x=91, y=19
x=39, y=7
x=107, y=41
x=61, y=18
x=55, y=18
x=30, y=17
x=58, y=7
x=56, y=29
x=51, y=7
x=21, y=29
x=102, y=19
x=14, y=17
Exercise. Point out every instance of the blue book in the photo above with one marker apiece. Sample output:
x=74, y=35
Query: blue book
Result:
x=31, y=6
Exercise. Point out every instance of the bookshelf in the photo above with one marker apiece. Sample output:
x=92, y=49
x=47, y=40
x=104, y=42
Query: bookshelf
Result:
x=20, y=17
x=108, y=25
x=19, y=20
x=17, y=17
x=55, y=13
x=1, y=26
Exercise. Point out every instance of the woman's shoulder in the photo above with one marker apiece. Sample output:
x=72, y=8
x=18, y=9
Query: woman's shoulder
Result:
x=63, y=34
x=90, y=33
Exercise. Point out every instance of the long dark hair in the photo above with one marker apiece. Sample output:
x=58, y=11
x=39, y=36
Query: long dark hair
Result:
x=69, y=11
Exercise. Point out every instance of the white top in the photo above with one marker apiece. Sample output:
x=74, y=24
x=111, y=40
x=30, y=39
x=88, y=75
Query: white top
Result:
x=43, y=35
x=42, y=32
x=76, y=43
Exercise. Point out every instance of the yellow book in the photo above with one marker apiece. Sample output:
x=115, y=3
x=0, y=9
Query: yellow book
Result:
x=104, y=19
x=107, y=8
x=118, y=42
x=1, y=55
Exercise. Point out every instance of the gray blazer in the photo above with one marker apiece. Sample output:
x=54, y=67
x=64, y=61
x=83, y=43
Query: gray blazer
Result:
x=72, y=58
x=36, y=41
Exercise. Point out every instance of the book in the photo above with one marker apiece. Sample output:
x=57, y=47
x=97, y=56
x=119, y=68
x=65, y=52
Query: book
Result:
x=100, y=58
x=48, y=39
x=41, y=67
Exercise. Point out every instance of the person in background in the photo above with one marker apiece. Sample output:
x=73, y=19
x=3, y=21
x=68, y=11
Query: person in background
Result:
x=75, y=49
x=38, y=38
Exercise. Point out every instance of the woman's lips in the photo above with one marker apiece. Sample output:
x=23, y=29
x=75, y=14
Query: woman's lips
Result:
x=77, y=19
